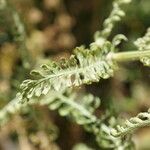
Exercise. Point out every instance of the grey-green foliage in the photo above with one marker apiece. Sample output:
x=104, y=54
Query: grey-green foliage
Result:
x=106, y=141
x=144, y=44
x=78, y=108
x=115, y=16
x=65, y=103
x=85, y=66
x=141, y=120
x=81, y=110
x=15, y=107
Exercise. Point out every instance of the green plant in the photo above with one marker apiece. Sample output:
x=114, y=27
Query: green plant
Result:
x=51, y=84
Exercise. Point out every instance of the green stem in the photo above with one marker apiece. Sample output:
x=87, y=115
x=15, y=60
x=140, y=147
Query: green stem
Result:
x=128, y=56
x=19, y=32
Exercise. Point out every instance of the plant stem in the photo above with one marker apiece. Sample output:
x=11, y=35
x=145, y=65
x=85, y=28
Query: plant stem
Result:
x=128, y=56
x=19, y=32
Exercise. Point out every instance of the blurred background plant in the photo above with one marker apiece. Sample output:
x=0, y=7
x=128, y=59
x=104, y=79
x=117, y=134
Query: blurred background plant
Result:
x=50, y=29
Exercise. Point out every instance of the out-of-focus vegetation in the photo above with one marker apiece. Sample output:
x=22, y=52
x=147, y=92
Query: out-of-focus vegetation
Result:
x=33, y=32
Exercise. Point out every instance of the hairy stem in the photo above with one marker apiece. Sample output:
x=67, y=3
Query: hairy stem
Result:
x=128, y=56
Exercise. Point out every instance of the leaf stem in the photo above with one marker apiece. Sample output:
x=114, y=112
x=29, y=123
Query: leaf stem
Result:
x=128, y=56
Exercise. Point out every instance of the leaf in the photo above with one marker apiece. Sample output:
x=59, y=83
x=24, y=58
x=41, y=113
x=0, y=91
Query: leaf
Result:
x=36, y=73
x=84, y=67
x=115, y=16
x=118, y=38
x=141, y=120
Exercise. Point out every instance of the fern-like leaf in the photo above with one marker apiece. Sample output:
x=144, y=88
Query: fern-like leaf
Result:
x=84, y=67
x=68, y=104
x=141, y=120
x=115, y=16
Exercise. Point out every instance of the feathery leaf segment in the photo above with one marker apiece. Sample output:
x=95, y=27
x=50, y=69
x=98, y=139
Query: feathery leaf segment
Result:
x=67, y=104
x=141, y=120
